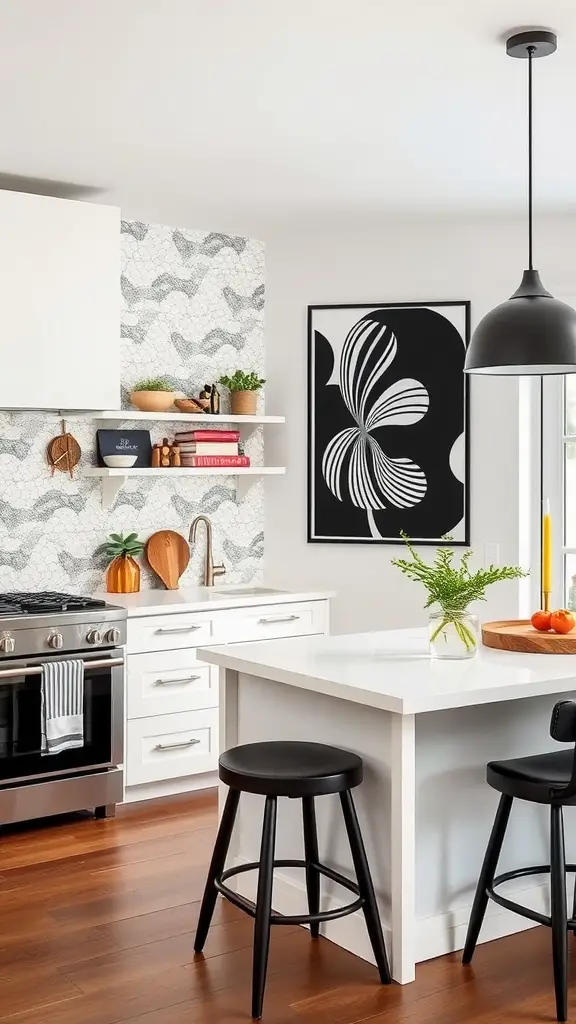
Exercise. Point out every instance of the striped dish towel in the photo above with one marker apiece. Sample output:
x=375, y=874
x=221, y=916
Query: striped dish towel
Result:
x=62, y=705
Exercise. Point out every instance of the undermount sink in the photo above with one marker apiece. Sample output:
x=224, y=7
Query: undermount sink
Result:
x=243, y=591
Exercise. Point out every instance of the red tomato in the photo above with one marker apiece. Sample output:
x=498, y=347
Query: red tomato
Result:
x=562, y=621
x=541, y=621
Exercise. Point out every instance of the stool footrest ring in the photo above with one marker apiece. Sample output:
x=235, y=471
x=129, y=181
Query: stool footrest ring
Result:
x=517, y=908
x=327, y=915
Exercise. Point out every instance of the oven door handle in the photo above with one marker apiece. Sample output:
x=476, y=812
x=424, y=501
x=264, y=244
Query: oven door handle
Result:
x=13, y=673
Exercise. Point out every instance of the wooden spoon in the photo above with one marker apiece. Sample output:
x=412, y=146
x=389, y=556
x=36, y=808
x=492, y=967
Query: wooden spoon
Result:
x=168, y=555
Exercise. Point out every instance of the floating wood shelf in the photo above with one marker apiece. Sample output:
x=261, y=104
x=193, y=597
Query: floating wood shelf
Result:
x=114, y=479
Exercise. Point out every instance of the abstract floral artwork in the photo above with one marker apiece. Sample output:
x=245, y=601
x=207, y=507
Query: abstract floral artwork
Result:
x=388, y=423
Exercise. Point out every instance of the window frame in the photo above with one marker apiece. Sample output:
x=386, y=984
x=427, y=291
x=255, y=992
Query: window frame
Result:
x=553, y=441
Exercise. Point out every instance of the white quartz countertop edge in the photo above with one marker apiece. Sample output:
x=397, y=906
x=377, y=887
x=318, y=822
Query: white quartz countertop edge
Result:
x=375, y=670
x=205, y=599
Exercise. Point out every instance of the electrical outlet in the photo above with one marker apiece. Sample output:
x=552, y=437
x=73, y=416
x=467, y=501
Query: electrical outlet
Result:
x=491, y=554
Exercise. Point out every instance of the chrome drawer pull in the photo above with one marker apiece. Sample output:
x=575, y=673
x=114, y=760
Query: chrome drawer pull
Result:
x=173, y=682
x=176, y=746
x=278, y=618
x=177, y=629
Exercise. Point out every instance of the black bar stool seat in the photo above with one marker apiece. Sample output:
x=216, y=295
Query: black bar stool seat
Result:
x=290, y=769
x=303, y=771
x=533, y=778
x=543, y=779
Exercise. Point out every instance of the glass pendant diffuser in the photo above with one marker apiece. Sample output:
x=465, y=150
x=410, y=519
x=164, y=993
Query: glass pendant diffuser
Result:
x=531, y=333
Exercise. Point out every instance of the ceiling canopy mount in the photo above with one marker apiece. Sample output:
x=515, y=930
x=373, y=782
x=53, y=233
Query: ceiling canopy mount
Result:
x=541, y=42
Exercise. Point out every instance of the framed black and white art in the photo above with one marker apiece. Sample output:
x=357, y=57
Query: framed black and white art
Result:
x=388, y=423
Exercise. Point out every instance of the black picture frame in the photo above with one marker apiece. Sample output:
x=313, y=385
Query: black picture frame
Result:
x=314, y=536
x=125, y=442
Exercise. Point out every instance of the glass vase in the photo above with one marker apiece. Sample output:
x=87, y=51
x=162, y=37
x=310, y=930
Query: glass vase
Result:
x=123, y=576
x=453, y=634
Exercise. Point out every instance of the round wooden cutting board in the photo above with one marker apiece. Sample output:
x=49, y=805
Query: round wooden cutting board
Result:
x=520, y=636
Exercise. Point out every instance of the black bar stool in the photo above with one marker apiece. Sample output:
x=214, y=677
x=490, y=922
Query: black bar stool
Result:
x=302, y=770
x=542, y=779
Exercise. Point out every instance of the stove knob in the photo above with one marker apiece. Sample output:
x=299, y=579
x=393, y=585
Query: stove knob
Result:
x=7, y=643
x=56, y=641
x=112, y=636
x=94, y=637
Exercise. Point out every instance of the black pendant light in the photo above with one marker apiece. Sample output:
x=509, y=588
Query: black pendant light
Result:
x=531, y=333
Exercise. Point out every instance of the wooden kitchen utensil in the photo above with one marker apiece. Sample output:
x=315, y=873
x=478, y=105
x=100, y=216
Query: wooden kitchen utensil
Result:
x=520, y=636
x=63, y=452
x=168, y=555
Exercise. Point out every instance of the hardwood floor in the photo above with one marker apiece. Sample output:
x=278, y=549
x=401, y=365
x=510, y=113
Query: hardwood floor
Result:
x=97, y=921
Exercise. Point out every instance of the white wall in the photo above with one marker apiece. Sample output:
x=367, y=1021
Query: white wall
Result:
x=386, y=261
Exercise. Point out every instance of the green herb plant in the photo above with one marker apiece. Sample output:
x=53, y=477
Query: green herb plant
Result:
x=453, y=588
x=117, y=544
x=240, y=381
x=153, y=384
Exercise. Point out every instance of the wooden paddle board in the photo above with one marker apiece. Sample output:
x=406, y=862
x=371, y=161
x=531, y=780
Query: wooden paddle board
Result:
x=168, y=555
x=520, y=636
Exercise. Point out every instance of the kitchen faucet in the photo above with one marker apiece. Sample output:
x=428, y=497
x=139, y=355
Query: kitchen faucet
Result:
x=210, y=570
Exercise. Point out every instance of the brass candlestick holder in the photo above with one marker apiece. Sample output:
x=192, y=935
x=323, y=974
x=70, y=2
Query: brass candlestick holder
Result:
x=546, y=595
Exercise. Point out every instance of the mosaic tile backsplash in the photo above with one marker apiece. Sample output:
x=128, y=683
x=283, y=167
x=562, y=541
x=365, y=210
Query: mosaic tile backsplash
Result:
x=192, y=309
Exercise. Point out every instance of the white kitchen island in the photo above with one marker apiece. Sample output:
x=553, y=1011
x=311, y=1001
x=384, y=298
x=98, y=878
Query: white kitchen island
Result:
x=425, y=729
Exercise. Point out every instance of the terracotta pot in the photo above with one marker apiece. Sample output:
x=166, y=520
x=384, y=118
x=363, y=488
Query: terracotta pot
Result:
x=152, y=401
x=123, y=576
x=243, y=403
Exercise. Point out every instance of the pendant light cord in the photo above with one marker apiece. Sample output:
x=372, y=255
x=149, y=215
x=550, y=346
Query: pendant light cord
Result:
x=531, y=50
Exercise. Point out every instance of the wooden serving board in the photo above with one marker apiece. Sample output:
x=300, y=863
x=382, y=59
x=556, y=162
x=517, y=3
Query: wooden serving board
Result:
x=168, y=555
x=520, y=636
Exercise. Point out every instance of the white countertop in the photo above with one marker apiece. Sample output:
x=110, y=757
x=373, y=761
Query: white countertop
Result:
x=394, y=671
x=201, y=599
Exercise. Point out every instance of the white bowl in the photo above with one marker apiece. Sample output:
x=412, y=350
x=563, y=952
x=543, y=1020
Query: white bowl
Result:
x=120, y=461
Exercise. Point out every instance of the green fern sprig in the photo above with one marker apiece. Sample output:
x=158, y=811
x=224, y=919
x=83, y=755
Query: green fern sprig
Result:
x=450, y=587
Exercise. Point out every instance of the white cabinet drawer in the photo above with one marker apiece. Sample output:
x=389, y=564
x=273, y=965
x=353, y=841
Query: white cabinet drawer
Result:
x=169, y=632
x=273, y=622
x=165, y=682
x=170, y=746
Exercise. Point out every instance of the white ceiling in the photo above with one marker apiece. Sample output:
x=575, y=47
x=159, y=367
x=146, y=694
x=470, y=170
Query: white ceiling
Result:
x=221, y=113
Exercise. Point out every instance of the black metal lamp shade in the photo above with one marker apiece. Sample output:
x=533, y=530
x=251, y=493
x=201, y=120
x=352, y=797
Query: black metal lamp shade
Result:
x=531, y=333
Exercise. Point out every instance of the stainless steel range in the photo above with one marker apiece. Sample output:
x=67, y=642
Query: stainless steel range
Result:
x=34, y=629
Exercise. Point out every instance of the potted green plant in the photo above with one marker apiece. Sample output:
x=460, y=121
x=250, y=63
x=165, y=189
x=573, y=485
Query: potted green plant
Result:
x=453, y=627
x=123, y=573
x=152, y=395
x=243, y=388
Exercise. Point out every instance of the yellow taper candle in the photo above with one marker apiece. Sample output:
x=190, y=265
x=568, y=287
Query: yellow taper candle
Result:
x=546, y=553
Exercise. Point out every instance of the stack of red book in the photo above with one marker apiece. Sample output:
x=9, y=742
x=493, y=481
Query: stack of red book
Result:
x=210, y=448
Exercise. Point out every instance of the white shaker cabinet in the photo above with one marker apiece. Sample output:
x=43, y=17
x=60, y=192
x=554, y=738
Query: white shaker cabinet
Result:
x=172, y=696
x=60, y=309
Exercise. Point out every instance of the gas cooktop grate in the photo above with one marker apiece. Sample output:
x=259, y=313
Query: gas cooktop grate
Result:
x=45, y=602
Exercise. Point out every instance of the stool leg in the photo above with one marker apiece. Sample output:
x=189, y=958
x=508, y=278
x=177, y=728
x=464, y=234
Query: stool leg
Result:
x=216, y=867
x=364, y=878
x=558, y=911
x=487, y=872
x=263, y=907
x=311, y=857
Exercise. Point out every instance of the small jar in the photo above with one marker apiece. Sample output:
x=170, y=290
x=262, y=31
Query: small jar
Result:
x=453, y=633
x=165, y=451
